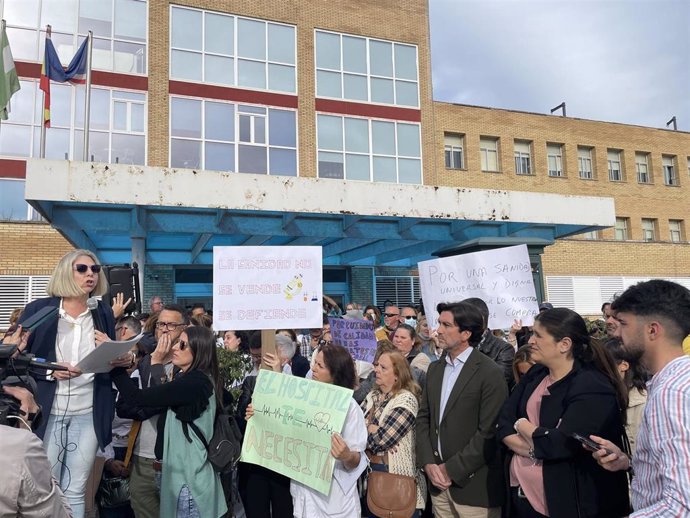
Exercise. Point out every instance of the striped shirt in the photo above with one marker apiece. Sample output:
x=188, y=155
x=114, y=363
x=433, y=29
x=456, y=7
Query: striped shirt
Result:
x=661, y=486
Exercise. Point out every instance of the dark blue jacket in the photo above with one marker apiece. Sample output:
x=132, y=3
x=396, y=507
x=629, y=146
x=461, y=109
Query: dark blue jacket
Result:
x=42, y=344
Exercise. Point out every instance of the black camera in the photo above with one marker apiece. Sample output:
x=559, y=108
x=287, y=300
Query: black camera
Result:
x=17, y=370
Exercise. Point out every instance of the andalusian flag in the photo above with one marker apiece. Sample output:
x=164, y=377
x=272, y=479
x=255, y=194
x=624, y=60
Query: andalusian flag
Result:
x=9, y=82
x=52, y=71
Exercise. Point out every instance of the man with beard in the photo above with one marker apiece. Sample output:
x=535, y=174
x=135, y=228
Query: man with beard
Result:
x=652, y=319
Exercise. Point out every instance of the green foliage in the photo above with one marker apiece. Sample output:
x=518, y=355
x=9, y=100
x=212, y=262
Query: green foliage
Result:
x=233, y=367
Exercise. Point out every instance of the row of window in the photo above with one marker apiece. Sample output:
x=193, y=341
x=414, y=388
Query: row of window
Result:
x=650, y=230
x=217, y=48
x=117, y=131
x=119, y=28
x=489, y=148
x=209, y=134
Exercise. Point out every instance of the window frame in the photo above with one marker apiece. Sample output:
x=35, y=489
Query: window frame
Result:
x=235, y=55
x=679, y=230
x=641, y=175
x=368, y=74
x=370, y=154
x=523, y=159
x=484, y=154
x=583, y=173
x=669, y=170
x=78, y=37
x=649, y=229
x=622, y=227
x=452, y=149
x=615, y=175
x=203, y=140
x=558, y=159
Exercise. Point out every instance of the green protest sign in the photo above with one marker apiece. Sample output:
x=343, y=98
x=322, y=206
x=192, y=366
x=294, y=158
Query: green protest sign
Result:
x=291, y=430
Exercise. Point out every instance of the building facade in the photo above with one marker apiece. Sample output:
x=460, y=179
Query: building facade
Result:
x=241, y=125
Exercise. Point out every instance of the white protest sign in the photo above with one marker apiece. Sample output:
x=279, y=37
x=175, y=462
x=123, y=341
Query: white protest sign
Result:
x=502, y=278
x=267, y=287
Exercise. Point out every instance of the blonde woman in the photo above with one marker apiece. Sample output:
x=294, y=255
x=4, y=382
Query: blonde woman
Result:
x=390, y=411
x=78, y=407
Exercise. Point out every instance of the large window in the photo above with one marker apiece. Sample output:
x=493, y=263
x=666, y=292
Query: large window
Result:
x=648, y=229
x=523, y=157
x=230, y=50
x=488, y=149
x=668, y=164
x=554, y=157
x=366, y=70
x=119, y=29
x=16, y=291
x=224, y=136
x=454, y=150
x=675, y=227
x=642, y=167
x=12, y=204
x=584, y=162
x=369, y=150
x=117, y=130
x=621, y=230
x=614, y=160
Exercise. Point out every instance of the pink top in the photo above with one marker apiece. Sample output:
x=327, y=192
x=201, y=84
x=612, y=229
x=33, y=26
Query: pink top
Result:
x=525, y=472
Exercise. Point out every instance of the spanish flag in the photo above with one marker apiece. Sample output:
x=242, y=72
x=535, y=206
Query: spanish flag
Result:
x=52, y=71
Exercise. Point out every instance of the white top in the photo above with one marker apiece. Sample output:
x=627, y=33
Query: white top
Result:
x=343, y=499
x=145, y=444
x=75, y=339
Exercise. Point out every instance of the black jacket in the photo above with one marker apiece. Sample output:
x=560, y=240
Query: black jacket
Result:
x=582, y=402
x=500, y=352
x=42, y=344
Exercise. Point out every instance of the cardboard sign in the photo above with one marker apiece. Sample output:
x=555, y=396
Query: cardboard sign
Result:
x=502, y=278
x=357, y=336
x=290, y=433
x=266, y=287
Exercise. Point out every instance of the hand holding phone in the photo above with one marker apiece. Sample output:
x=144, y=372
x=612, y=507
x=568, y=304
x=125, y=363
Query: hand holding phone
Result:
x=589, y=443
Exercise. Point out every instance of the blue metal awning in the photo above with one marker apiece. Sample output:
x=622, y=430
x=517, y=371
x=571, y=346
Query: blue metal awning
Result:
x=180, y=215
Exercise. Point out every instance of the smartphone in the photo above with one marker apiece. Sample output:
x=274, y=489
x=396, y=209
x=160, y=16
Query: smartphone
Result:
x=589, y=443
x=39, y=318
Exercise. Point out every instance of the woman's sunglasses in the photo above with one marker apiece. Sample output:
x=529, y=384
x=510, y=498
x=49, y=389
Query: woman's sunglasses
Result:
x=182, y=344
x=82, y=268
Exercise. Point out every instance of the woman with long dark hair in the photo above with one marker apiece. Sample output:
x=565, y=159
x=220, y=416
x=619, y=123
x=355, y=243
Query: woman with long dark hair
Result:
x=573, y=389
x=635, y=377
x=189, y=485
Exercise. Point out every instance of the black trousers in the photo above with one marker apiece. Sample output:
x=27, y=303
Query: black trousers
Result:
x=265, y=493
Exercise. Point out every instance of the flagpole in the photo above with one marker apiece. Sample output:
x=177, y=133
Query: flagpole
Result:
x=3, y=25
x=43, y=123
x=87, y=99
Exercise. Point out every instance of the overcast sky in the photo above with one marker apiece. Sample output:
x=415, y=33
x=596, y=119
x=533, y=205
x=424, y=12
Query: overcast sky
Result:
x=613, y=60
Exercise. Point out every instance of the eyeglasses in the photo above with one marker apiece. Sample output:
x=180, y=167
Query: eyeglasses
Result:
x=182, y=344
x=389, y=315
x=170, y=326
x=83, y=268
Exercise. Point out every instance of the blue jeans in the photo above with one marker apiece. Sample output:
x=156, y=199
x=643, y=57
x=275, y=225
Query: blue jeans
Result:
x=186, y=506
x=70, y=443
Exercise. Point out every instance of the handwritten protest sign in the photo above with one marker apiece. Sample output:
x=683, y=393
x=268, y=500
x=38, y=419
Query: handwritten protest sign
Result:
x=357, y=336
x=291, y=430
x=502, y=278
x=266, y=287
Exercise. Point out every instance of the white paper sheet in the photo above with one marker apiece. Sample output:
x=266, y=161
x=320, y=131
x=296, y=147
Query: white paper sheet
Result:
x=99, y=359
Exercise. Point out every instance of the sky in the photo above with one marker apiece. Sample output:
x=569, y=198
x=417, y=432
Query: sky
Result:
x=622, y=61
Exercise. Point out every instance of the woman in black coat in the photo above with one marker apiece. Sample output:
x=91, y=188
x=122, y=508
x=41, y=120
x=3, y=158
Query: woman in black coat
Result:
x=572, y=389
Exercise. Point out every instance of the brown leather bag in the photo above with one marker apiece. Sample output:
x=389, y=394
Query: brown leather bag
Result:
x=390, y=495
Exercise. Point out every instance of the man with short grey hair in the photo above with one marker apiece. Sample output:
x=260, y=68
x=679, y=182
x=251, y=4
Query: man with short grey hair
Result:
x=285, y=348
x=155, y=304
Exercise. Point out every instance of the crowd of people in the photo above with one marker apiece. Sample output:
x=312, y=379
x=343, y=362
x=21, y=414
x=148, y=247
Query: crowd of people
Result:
x=564, y=418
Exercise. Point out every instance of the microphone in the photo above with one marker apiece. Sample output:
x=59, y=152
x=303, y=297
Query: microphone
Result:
x=92, y=304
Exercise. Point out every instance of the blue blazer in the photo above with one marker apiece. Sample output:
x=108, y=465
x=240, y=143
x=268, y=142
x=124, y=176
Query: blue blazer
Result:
x=42, y=344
